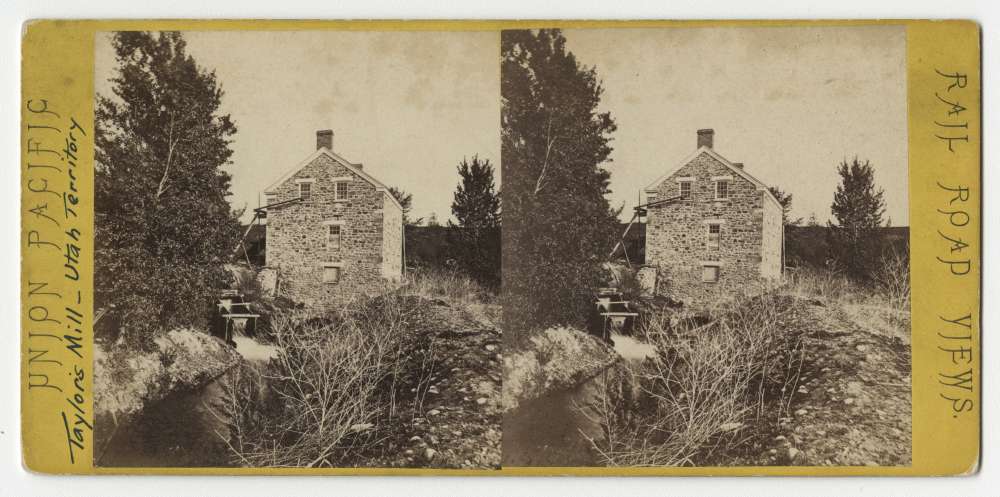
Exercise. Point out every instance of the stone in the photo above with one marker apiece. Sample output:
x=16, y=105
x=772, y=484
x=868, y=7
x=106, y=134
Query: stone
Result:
x=801, y=412
x=792, y=453
x=430, y=453
x=491, y=347
x=433, y=412
x=848, y=401
x=482, y=400
x=730, y=426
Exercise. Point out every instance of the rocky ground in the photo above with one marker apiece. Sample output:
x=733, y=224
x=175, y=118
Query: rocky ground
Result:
x=851, y=406
x=457, y=425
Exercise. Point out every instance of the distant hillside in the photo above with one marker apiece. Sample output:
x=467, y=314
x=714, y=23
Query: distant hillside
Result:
x=804, y=245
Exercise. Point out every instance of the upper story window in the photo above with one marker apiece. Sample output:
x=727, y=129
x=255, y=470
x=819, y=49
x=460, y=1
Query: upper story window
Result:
x=685, y=189
x=333, y=237
x=714, y=233
x=340, y=191
x=305, y=191
x=722, y=189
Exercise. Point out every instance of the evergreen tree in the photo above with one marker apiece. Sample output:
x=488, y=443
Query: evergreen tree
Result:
x=785, y=199
x=406, y=202
x=476, y=206
x=558, y=225
x=858, y=208
x=164, y=228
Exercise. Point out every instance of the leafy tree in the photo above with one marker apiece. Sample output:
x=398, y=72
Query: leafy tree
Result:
x=406, y=201
x=476, y=206
x=432, y=220
x=164, y=228
x=812, y=220
x=858, y=208
x=558, y=225
x=785, y=199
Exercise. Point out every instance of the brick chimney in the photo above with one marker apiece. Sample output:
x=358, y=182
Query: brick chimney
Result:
x=738, y=165
x=324, y=139
x=705, y=137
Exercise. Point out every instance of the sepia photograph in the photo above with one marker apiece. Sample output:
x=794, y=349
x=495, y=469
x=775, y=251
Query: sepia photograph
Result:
x=705, y=247
x=297, y=241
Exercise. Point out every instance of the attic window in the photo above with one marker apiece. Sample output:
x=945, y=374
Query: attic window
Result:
x=340, y=191
x=722, y=189
x=305, y=191
x=685, y=189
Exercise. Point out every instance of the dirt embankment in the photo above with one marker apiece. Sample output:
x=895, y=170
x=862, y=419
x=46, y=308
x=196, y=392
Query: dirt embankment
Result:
x=457, y=423
x=851, y=405
x=150, y=407
x=549, y=392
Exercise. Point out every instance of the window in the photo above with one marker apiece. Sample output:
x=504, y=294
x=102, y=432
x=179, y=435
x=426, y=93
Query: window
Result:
x=710, y=274
x=305, y=191
x=714, y=231
x=721, y=189
x=331, y=274
x=333, y=237
x=340, y=190
x=685, y=189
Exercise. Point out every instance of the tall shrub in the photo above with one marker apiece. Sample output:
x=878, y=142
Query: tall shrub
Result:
x=163, y=226
x=558, y=225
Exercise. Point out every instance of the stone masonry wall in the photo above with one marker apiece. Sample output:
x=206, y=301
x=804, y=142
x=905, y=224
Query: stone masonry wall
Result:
x=297, y=237
x=392, y=240
x=677, y=234
x=771, y=249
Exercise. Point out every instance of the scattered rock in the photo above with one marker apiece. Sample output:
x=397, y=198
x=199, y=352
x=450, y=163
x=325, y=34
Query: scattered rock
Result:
x=801, y=412
x=792, y=453
x=848, y=401
x=361, y=427
x=780, y=438
x=482, y=400
x=730, y=426
x=416, y=439
x=491, y=347
x=433, y=412
x=430, y=453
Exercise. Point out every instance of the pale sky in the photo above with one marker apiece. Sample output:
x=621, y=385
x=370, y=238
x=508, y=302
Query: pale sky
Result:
x=408, y=105
x=790, y=103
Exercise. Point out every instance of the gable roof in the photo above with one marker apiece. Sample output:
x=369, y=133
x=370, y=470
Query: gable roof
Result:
x=354, y=168
x=722, y=160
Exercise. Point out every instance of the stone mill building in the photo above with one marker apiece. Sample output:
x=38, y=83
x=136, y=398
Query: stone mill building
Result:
x=333, y=231
x=712, y=229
